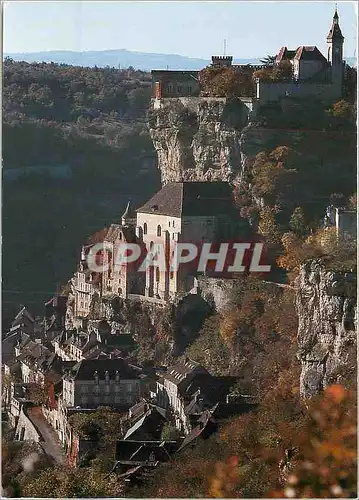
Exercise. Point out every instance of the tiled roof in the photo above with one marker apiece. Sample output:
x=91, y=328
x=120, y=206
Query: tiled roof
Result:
x=182, y=370
x=9, y=342
x=115, y=230
x=213, y=389
x=129, y=213
x=178, y=199
x=85, y=369
x=163, y=73
x=141, y=451
x=309, y=53
x=23, y=314
x=285, y=54
x=198, y=430
x=97, y=237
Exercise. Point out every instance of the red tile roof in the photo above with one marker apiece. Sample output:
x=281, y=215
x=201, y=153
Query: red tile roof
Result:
x=309, y=53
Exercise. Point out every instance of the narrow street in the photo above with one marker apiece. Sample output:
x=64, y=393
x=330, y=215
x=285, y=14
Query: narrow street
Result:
x=51, y=444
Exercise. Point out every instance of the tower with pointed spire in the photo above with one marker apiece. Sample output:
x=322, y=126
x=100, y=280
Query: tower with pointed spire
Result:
x=335, y=42
x=128, y=217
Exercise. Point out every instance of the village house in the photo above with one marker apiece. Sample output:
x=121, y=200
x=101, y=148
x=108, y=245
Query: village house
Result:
x=95, y=382
x=171, y=386
x=57, y=412
x=55, y=311
x=187, y=390
x=145, y=421
x=83, y=288
x=26, y=322
x=135, y=458
x=74, y=345
x=96, y=342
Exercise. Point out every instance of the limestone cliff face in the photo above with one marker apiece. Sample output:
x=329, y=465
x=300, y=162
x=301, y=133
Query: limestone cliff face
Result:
x=209, y=139
x=199, y=139
x=327, y=312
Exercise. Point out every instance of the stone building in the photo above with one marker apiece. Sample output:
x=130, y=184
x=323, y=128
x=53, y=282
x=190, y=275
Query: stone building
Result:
x=345, y=221
x=168, y=83
x=190, y=212
x=83, y=288
x=171, y=386
x=76, y=345
x=314, y=75
x=123, y=279
x=187, y=390
x=95, y=382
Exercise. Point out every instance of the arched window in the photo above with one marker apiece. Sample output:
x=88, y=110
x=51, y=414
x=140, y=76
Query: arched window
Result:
x=158, y=230
x=145, y=228
x=157, y=274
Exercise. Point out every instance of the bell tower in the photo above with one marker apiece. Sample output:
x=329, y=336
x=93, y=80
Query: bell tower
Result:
x=335, y=42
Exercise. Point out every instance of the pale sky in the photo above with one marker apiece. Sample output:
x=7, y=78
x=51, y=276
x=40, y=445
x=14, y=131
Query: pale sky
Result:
x=189, y=28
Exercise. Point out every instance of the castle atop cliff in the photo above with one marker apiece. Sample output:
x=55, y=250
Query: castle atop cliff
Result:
x=313, y=74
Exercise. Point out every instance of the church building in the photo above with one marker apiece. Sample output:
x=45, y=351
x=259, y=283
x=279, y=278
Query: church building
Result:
x=190, y=212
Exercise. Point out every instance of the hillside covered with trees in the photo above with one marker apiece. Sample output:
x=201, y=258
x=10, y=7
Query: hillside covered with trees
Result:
x=75, y=148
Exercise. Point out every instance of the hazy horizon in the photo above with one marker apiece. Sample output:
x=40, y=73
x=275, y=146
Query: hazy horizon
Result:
x=172, y=27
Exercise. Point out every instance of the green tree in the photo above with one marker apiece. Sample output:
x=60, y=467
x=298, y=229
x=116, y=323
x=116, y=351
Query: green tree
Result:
x=268, y=60
x=79, y=483
x=170, y=432
x=268, y=226
x=297, y=221
x=101, y=424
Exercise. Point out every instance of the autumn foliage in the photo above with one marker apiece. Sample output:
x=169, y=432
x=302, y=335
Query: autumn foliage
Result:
x=226, y=82
x=322, y=459
x=339, y=252
x=278, y=72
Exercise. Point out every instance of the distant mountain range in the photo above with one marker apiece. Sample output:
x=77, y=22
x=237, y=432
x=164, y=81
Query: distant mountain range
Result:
x=119, y=58
x=125, y=58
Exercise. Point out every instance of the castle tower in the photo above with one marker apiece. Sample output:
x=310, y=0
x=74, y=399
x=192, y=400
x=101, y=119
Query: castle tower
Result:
x=222, y=61
x=335, y=42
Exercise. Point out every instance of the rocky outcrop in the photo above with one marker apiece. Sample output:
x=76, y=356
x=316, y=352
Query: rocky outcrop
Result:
x=327, y=313
x=161, y=330
x=212, y=139
x=216, y=292
x=199, y=139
